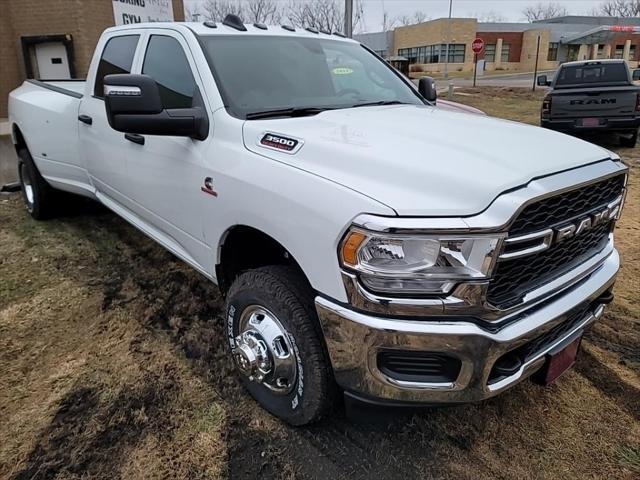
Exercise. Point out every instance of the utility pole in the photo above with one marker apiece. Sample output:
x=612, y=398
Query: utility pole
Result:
x=348, y=18
x=446, y=54
x=535, y=72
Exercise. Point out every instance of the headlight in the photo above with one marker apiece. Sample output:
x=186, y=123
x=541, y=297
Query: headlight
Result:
x=418, y=264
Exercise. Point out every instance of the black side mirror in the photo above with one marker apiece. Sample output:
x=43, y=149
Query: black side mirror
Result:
x=427, y=88
x=542, y=81
x=134, y=105
x=636, y=74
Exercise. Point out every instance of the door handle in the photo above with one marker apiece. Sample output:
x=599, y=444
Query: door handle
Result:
x=85, y=119
x=135, y=138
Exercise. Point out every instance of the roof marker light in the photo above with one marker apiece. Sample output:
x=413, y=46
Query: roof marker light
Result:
x=234, y=21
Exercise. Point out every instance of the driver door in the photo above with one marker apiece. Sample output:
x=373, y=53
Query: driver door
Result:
x=166, y=173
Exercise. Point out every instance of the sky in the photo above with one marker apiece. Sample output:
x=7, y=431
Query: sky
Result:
x=511, y=10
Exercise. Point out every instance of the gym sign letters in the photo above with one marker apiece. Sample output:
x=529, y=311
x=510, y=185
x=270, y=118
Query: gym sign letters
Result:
x=137, y=11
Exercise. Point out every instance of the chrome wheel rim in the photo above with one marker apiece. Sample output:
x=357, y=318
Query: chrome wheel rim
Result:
x=27, y=186
x=264, y=352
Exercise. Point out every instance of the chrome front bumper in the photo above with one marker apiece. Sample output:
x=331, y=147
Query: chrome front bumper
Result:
x=354, y=340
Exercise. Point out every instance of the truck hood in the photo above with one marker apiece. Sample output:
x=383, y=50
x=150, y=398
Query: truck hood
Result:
x=421, y=161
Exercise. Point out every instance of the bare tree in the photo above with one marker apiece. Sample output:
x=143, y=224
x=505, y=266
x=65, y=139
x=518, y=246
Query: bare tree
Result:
x=325, y=15
x=387, y=22
x=216, y=10
x=619, y=8
x=193, y=14
x=418, y=17
x=542, y=11
x=263, y=11
x=490, y=16
x=358, y=17
x=320, y=14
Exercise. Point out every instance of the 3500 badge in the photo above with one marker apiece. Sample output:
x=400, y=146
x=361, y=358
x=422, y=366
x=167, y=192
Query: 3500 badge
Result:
x=278, y=142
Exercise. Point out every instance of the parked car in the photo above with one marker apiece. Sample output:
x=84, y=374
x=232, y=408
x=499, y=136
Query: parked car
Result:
x=458, y=107
x=365, y=242
x=593, y=96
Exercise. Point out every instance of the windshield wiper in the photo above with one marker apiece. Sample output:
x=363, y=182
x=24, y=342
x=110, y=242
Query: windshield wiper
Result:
x=381, y=102
x=287, y=112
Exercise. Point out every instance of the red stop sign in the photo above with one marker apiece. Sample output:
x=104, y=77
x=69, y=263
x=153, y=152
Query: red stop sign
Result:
x=477, y=45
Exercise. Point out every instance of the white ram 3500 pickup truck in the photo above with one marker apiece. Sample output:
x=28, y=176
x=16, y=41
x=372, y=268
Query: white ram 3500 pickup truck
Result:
x=365, y=241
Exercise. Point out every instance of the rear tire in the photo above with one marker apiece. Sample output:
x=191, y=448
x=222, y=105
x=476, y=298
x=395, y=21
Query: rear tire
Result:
x=629, y=142
x=37, y=194
x=300, y=389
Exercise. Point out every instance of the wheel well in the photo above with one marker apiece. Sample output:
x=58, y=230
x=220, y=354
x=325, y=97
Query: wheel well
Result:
x=19, y=138
x=244, y=248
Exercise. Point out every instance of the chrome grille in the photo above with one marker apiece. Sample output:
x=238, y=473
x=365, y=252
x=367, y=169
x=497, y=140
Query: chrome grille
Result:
x=513, y=278
x=567, y=206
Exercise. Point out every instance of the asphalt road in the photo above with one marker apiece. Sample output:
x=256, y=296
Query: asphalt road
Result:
x=507, y=80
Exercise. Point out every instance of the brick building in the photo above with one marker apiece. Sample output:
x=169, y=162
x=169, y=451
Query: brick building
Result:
x=56, y=38
x=509, y=46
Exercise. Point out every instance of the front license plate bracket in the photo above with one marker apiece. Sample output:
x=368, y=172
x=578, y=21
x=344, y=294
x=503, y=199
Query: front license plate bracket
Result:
x=559, y=360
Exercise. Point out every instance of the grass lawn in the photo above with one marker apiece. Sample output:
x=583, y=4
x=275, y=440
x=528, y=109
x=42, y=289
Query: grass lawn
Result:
x=113, y=365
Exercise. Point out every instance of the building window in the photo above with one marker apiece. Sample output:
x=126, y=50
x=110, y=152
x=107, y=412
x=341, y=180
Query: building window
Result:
x=572, y=52
x=421, y=54
x=490, y=52
x=434, y=53
x=552, y=54
x=619, y=52
x=456, y=52
x=600, y=53
x=117, y=57
x=506, y=50
x=407, y=53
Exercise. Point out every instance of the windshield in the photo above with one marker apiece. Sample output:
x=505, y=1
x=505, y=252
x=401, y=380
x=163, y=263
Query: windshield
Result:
x=603, y=73
x=259, y=74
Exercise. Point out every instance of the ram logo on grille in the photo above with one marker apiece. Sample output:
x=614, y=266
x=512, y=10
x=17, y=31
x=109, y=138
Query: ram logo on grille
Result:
x=542, y=240
x=573, y=229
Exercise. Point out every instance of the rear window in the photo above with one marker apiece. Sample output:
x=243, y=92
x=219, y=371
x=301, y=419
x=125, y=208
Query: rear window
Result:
x=610, y=73
x=117, y=57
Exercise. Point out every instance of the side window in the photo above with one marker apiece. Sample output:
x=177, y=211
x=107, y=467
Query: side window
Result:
x=167, y=64
x=117, y=57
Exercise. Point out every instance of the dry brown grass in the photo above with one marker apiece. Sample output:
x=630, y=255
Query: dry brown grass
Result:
x=113, y=365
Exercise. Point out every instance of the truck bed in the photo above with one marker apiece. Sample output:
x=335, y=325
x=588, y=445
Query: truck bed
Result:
x=46, y=113
x=74, y=88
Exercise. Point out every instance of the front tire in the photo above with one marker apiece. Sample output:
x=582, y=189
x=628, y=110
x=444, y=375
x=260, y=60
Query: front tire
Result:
x=37, y=194
x=276, y=344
